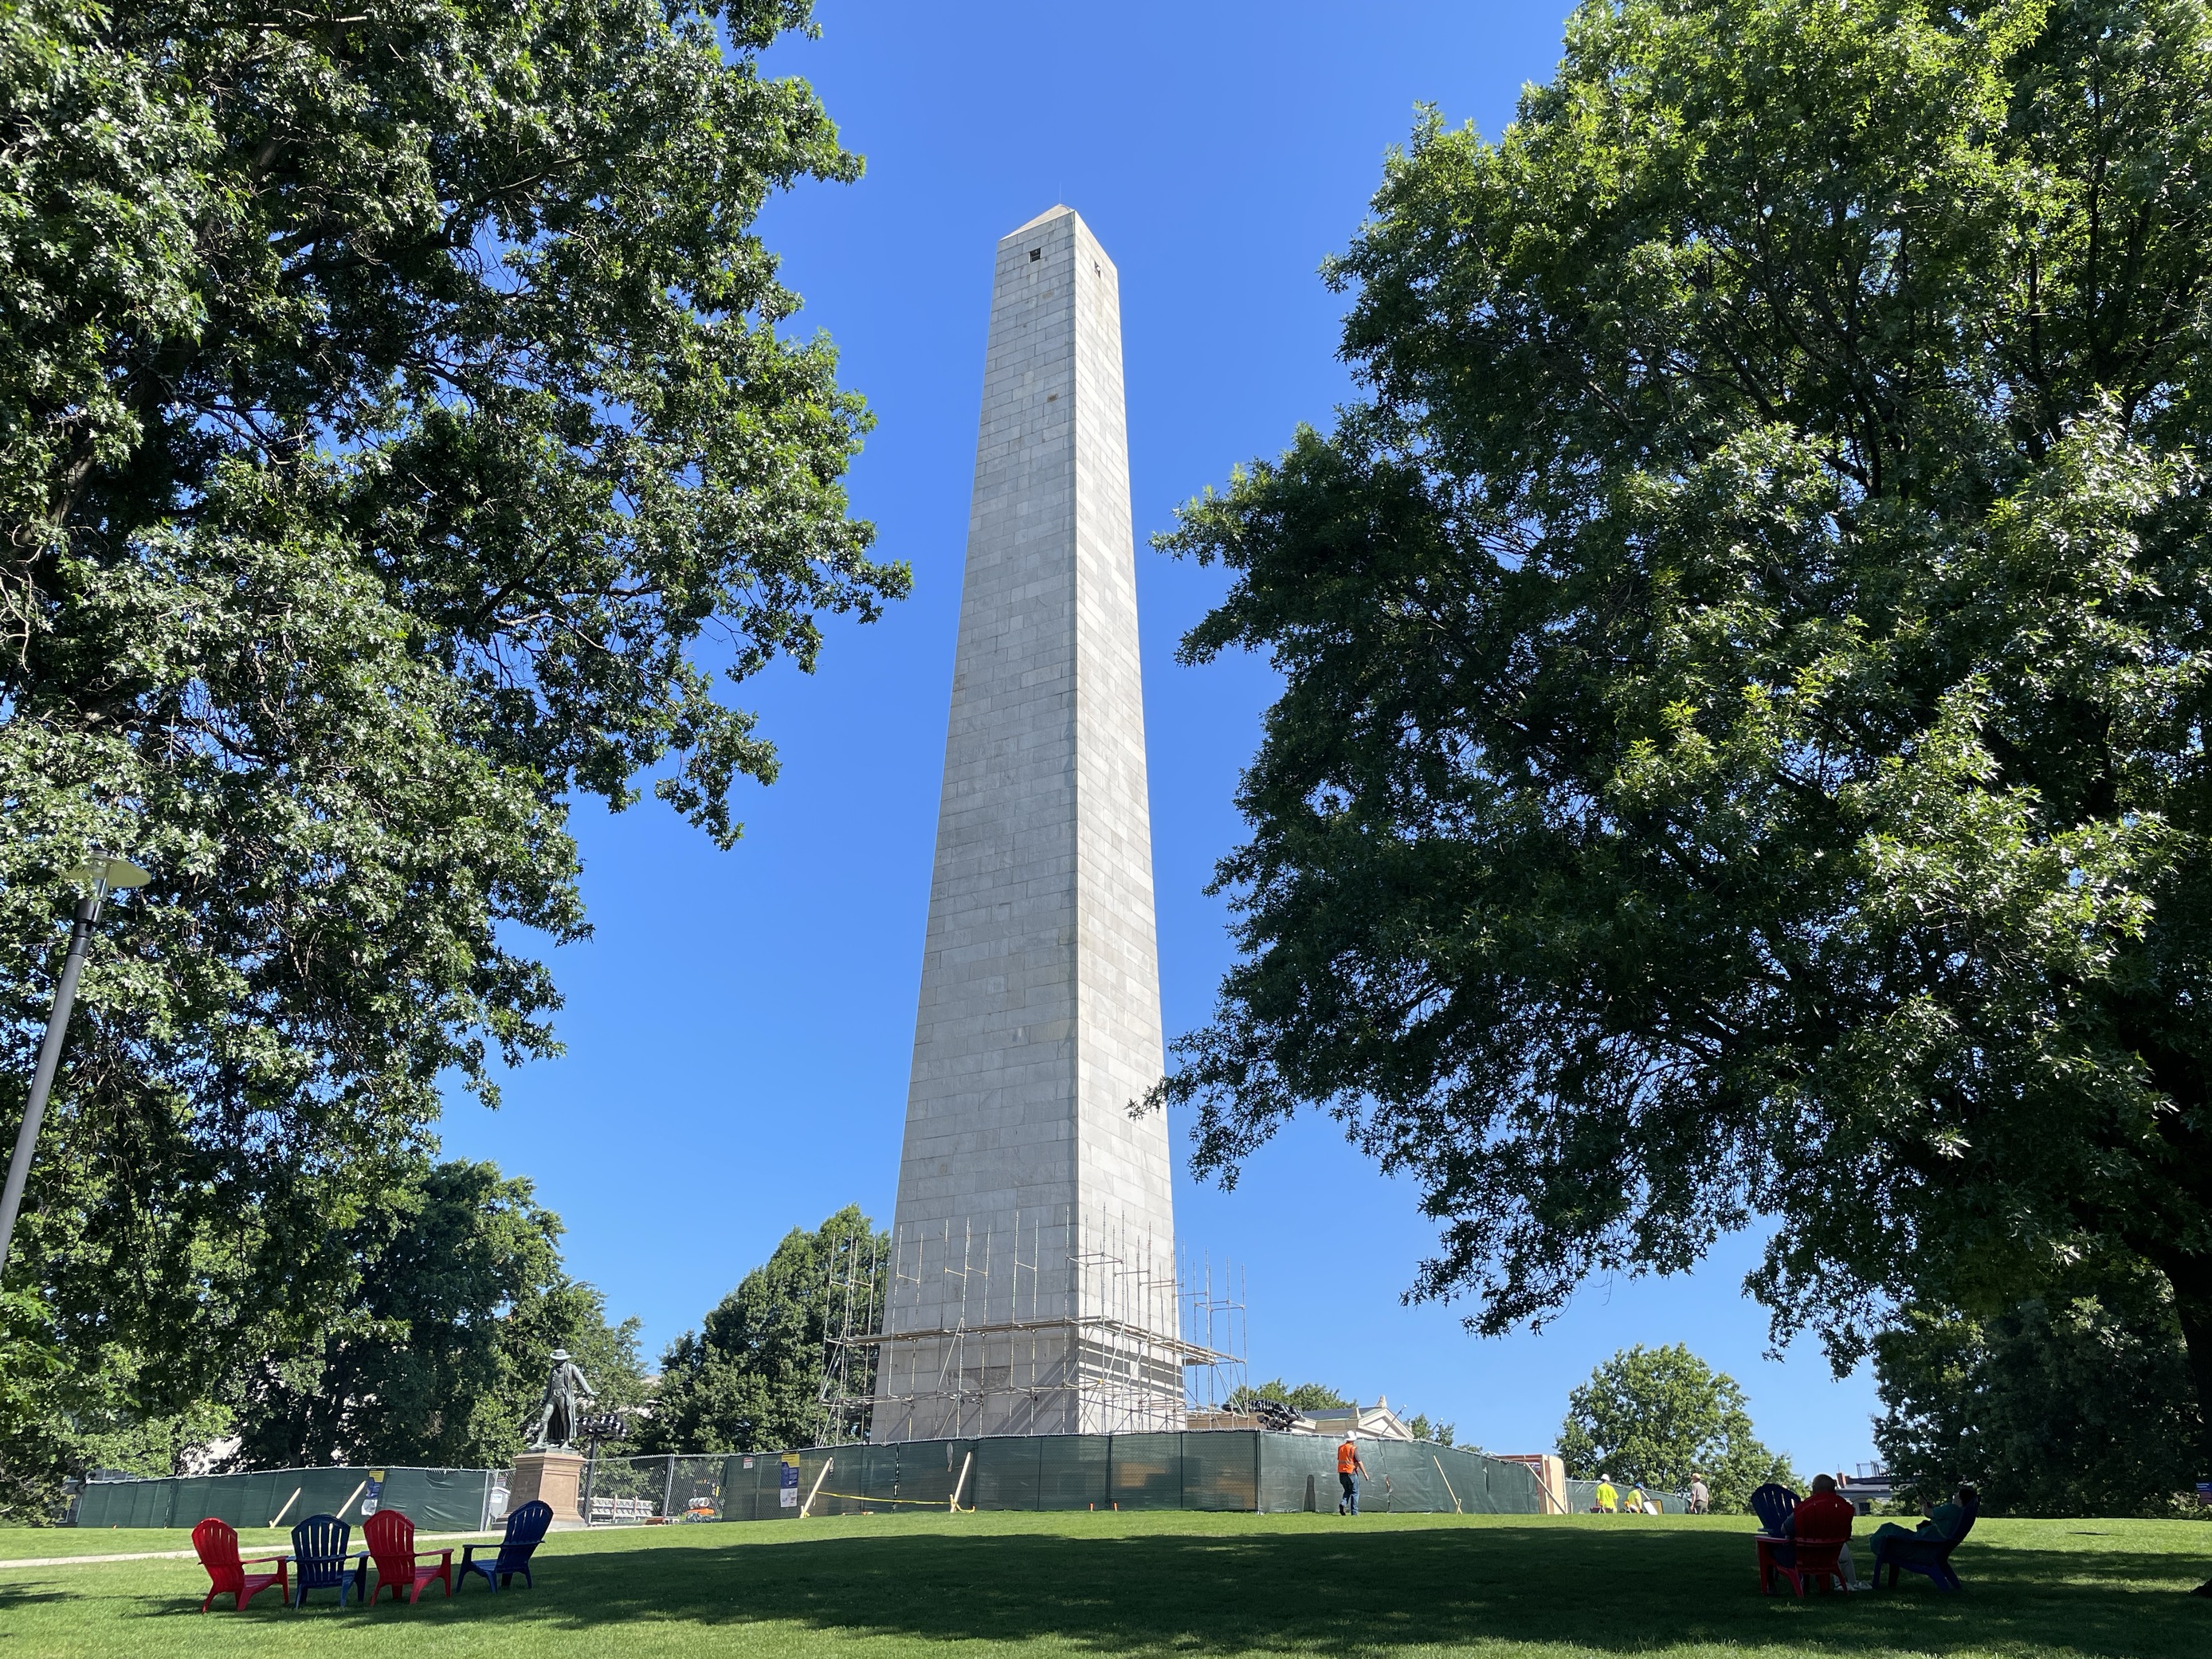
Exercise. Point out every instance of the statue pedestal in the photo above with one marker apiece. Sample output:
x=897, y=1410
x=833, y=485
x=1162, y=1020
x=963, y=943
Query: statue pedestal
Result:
x=555, y=1477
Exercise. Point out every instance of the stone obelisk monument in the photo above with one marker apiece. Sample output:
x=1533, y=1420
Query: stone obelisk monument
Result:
x=1034, y=1290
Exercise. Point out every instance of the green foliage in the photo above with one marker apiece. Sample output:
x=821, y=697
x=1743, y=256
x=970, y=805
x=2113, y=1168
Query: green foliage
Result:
x=435, y=1357
x=440, y=1358
x=2059, y=1406
x=34, y=1437
x=1306, y=1397
x=58, y=1419
x=398, y=434
x=751, y=1378
x=1657, y=1416
x=1744, y=663
x=1423, y=1429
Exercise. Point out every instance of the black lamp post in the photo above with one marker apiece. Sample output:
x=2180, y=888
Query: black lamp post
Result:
x=102, y=873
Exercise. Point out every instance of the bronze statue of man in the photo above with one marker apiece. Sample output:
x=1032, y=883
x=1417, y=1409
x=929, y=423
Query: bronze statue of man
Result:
x=558, y=1411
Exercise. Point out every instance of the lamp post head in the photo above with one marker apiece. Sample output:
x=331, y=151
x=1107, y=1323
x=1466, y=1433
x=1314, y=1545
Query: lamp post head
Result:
x=106, y=871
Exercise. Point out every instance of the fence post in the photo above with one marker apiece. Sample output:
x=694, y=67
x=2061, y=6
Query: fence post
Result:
x=1446, y=1478
x=668, y=1493
x=815, y=1491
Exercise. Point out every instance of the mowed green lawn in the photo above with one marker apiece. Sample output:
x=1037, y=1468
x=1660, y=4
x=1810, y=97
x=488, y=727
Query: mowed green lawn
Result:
x=1164, y=1584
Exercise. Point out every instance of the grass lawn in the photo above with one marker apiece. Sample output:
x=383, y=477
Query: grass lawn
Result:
x=36, y=1543
x=1167, y=1585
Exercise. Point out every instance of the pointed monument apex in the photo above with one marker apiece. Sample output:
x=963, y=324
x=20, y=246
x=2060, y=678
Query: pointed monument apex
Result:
x=1034, y=1286
x=1052, y=212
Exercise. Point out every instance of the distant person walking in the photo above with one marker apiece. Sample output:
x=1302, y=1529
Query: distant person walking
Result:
x=1349, y=1469
x=1701, y=1497
x=1608, y=1497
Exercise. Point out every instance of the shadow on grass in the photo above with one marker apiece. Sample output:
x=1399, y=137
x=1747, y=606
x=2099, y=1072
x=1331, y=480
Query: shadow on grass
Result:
x=1344, y=1592
x=15, y=1597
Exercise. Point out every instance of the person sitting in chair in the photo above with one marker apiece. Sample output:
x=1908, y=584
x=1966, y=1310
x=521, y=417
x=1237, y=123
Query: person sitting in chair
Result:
x=1943, y=1520
x=1828, y=1514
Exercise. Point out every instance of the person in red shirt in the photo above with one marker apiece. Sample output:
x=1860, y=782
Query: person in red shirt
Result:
x=1826, y=1514
x=1348, y=1469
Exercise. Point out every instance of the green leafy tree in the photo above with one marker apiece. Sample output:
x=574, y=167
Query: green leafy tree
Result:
x=2059, y=1406
x=442, y=1356
x=35, y=1440
x=749, y=1379
x=1657, y=1416
x=437, y=1359
x=400, y=434
x=1422, y=1428
x=1744, y=671
x=58, y=1419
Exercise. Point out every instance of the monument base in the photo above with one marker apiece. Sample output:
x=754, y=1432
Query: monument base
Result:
x=554, y=1477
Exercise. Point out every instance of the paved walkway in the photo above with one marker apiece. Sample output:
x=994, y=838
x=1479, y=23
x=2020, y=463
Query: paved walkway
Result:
x=186, y=1555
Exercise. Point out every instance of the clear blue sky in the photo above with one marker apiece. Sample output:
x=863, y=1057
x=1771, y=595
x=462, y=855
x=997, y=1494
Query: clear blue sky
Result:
x=740, y=1028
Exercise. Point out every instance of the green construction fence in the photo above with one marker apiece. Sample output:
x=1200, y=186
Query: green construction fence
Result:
x=436, y=1500
x=1220, y=1469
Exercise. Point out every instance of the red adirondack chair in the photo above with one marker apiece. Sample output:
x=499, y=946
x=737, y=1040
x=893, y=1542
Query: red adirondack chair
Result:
x=1810, y=1552
x=391, y=1538
x=1803, y=1560
x=216, y=1542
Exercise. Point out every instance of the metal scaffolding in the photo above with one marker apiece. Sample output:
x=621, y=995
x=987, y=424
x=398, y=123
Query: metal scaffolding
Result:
x=1050, y=1323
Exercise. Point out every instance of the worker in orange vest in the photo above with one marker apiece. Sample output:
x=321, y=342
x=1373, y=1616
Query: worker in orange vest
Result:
x=1348, y=1466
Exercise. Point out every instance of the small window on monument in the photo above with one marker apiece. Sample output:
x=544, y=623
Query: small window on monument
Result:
x=1036, y=253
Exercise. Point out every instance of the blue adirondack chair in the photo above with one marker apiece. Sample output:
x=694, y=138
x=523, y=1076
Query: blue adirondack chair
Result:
x=1773, y=1504
x=526, y=1530
x=1928, y=1557
x=319, y=1551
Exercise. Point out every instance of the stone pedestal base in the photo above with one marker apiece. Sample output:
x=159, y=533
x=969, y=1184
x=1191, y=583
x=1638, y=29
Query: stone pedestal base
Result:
x=556, y=1477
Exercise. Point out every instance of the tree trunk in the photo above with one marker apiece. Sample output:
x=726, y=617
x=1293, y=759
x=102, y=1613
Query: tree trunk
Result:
x=2192, y=1279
